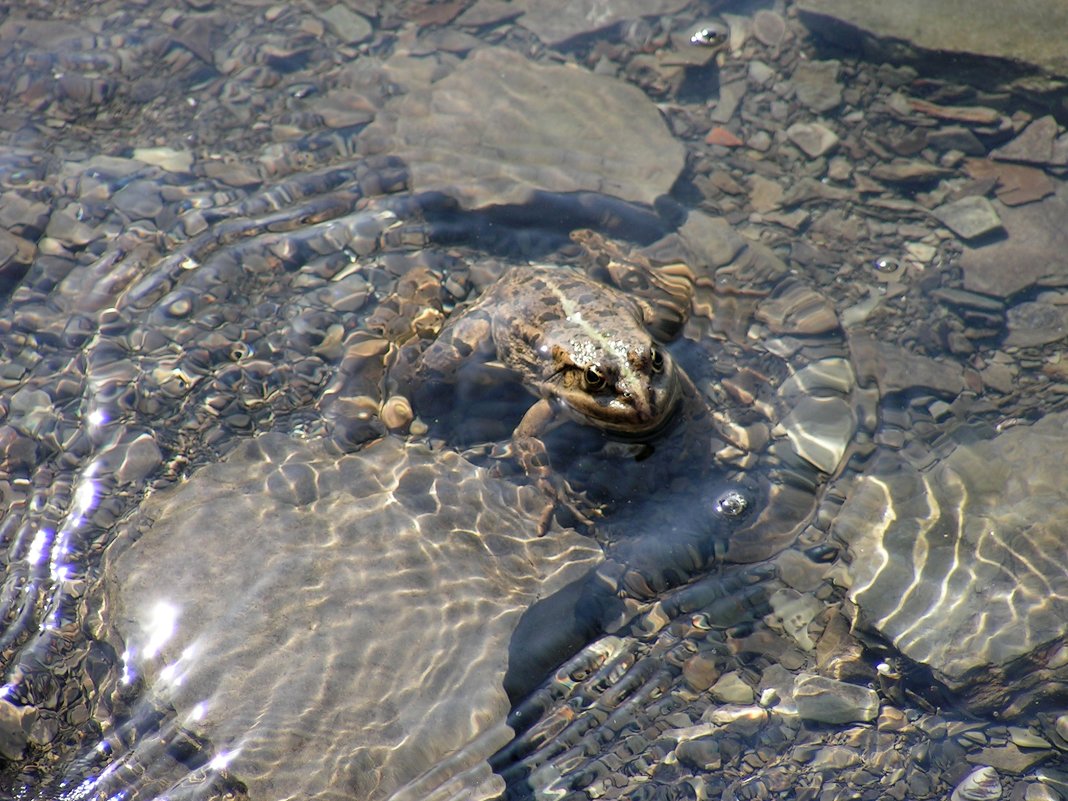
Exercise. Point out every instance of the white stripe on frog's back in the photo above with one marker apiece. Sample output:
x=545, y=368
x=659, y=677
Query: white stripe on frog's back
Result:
x=628, y=377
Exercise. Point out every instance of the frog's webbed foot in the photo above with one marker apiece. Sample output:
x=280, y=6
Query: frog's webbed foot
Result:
x=532, y=456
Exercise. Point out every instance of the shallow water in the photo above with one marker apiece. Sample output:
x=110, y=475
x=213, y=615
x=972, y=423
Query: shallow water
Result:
x=229, y=572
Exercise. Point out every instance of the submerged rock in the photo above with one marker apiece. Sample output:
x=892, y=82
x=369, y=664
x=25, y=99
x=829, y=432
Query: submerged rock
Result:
x=501, y=128
x=335, y=626
x=962, y=566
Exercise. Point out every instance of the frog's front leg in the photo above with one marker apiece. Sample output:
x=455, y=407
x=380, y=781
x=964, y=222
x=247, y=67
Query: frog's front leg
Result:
x=532, y=456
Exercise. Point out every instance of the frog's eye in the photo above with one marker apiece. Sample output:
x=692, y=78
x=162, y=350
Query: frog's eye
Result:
x=656, y=360
x=593, y=378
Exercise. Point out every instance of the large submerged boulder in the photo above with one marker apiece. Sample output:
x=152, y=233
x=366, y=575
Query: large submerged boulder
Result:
x=334, y=627
x=962, y=566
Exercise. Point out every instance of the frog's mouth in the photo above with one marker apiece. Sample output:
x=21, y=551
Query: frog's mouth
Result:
x=638, y=417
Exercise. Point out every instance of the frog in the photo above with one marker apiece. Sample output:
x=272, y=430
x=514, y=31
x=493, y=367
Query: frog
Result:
x=587, y=351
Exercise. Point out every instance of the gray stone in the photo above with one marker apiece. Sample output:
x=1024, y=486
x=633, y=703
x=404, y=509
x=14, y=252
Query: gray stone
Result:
x=14, y=729
x=973, y=547
x=1031, y=252
x=769, y=28
x=139, y=199
x=896, y=369
x=540, y=134
x=982, y=784
x=816, y=85
x=436, y=561
x=969, y=217
x=813, y=138
x=828, y=701
x=1034, y=323
x=956, y=137
x=730, y=689
x=1034, y=144
x=347, y=25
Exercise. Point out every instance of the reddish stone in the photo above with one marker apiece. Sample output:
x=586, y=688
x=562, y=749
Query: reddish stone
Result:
x=721, y=136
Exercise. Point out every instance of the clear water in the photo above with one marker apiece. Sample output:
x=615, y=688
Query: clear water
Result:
x=222, y=577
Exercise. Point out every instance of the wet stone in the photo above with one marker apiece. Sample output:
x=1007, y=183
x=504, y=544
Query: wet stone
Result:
x=813, y=138
x=982, y=784
x=730, y=689
x=1031, y=252
x=1034, y=323
x=829, y=701
x=15, y=725
x=347, y=25
x=908, y=171
x=969, y=217
x=166, y=158
x=65, y=228
x=1034, y=144
x=139, y=199
x=769, y=28
x=816, y=85
x=544, y=114
x=974, y=548
x=955, y=137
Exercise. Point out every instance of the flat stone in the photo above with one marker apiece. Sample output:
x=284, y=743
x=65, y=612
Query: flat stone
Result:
x=21, y=216
x=1031, y=252
x=556, y=21
x=437, y=561
x=769, y=28
x=765, y=194
x=65, y=228
x=908, y=171
x=973, y=547
x=1034, y=323
x=347, y=25
x=1016, y=184
x=139, y=199
x=1031, y=32
x=969, y=217
x=973, y=115
x=955, y=137
x=543, y=135
x=730, y=689
x=489, y=12
x=813, y=138
x=166, y=158
x=816, y=85
x=828, y=701
x=14, y=729
x=895, y=368
x=1034, y=144
x=1008, y=758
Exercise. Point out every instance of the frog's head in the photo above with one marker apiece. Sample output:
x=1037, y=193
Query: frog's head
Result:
x=629, y=391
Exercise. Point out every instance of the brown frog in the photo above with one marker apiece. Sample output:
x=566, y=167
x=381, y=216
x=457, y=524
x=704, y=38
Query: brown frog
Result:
x=582, y=347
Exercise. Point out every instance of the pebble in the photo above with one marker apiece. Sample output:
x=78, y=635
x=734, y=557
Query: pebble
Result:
x=955, y=137
x=14, y=729
x=65, y=228
x=969, y=217
x=166, y=158
x=769, y=28
x=829, y=701
x=813, y=138
x=760, y=74
x=730, y=689
x=908, y=171
x=765, y=194
x=816, y=85
x=721, y=136
x=347, y=25
x=982, y=784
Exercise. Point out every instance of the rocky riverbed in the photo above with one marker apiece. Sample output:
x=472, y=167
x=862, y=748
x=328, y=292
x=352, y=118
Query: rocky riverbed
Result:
x=212, y=219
